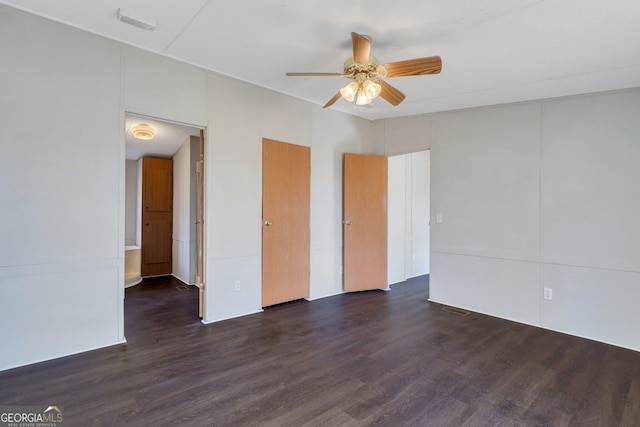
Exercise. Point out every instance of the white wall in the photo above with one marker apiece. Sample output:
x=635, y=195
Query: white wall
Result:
x=332, y=135
x=237, y=125
x=405, y=135
x=131, y=202
x=418, y=239
x=62, y=174
x=194, y=212
x=540, y=194
x=486, y=186
x=181, y=239
x=62, y=220
x=397, y=218
x=590, y=208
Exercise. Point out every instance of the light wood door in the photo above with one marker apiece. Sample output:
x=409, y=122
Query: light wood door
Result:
x=285, y=222
x=157, y=216
x=365, y=222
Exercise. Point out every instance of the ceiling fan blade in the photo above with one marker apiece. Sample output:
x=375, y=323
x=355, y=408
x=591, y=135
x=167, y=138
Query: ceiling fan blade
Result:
x=361, y=48
x=391, y=94
x=333, y=100
x=314, y=74
x=414, y=67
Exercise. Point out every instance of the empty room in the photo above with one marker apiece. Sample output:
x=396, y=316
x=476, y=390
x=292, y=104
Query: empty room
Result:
x=320, y=213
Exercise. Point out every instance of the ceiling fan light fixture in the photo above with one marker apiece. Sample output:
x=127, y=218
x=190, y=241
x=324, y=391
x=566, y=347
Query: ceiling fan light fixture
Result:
x=371, y=89
x=143, y=132
x=362, y=98
x=368, y=76
x=349, y=91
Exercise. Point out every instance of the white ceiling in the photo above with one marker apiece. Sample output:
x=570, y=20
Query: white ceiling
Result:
x=169, y=137
x=493, y=51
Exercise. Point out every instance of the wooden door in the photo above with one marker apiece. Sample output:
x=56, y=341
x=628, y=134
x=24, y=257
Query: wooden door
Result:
x=286, y=184
x=365, y=222
x=157, y=216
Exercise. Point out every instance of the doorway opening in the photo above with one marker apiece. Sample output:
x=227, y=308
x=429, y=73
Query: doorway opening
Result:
x=164, y=204
x=409, y=216
x=386, y=222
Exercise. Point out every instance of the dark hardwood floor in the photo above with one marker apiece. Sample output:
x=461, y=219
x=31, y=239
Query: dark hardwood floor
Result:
x=370, y=358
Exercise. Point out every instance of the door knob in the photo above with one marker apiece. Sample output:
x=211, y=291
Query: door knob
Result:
x=267, y=223
x=346, y=222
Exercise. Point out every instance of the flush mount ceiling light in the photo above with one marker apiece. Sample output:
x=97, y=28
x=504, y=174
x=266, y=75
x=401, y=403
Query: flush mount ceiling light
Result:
x=136, y=21
x=144, y=132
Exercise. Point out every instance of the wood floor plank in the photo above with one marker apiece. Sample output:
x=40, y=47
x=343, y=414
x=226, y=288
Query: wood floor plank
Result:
x=631, y=412
x=370, y=358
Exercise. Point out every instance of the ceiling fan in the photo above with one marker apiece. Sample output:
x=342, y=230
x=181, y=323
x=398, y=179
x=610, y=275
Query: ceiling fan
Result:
x=368, y=75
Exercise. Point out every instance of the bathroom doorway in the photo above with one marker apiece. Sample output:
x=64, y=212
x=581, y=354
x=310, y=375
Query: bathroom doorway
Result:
x=164, y=202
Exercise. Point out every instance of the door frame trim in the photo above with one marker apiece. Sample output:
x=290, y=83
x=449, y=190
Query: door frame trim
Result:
x=122, y=149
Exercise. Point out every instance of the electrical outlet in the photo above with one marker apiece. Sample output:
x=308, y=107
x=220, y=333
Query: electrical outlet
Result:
x=438, y=218
x=548, y=293
x=238, y=285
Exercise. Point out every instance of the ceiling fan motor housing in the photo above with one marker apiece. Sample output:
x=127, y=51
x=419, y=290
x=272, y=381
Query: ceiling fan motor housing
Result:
x=361, y=72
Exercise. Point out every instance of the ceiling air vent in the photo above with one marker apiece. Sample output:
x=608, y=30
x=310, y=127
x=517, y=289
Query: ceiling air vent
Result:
x=136, y=21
